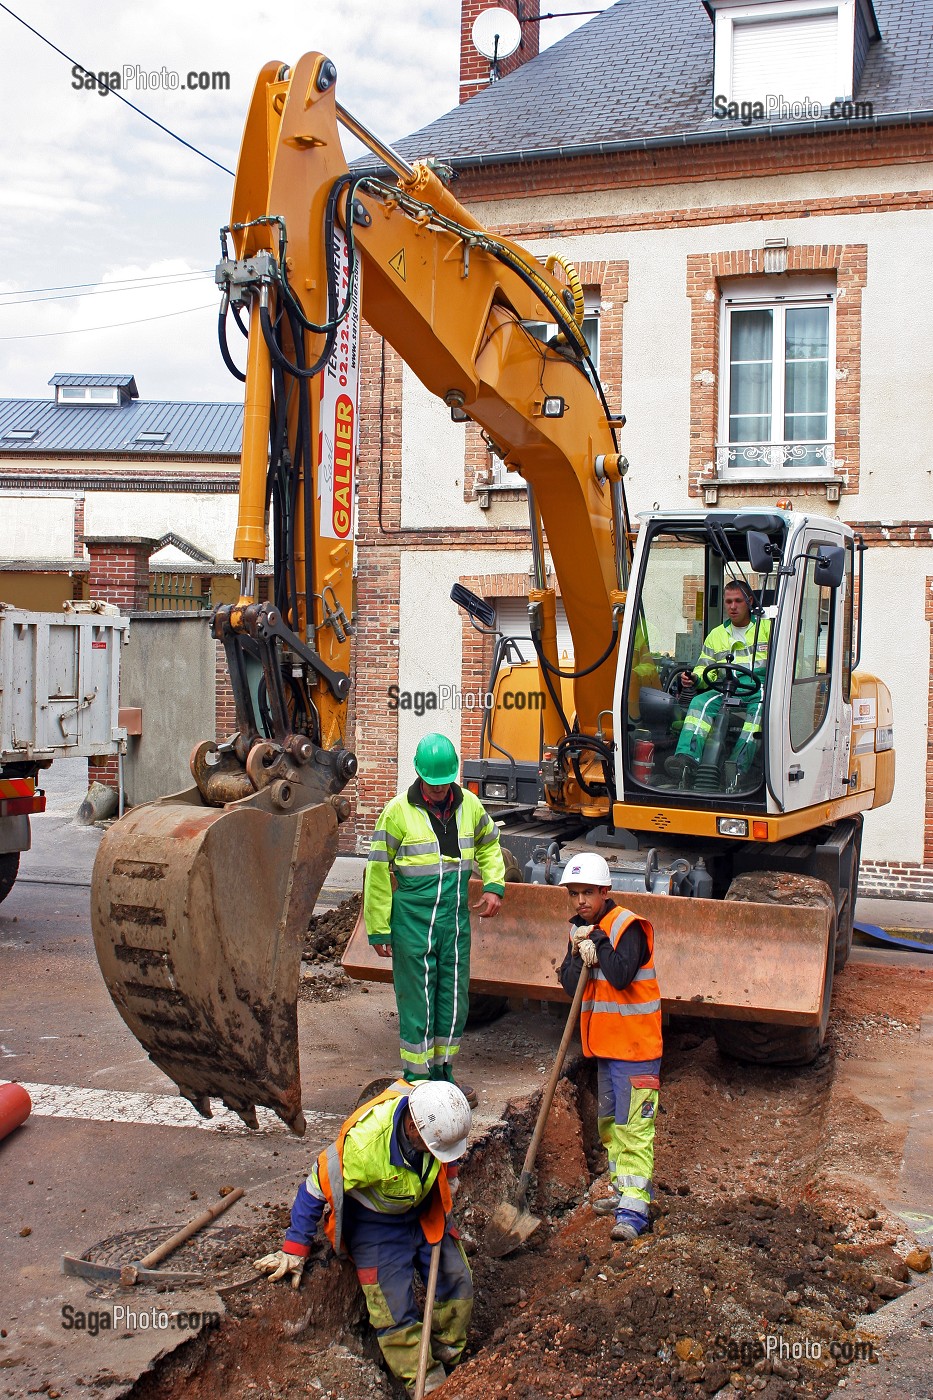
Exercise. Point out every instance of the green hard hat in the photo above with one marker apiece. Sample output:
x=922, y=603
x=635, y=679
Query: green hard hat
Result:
x=436, y=760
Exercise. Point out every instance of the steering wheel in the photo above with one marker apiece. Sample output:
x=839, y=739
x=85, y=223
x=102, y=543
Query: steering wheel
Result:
x=732, y=679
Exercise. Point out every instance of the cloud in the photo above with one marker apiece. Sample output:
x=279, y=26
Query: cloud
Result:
x=88, y=189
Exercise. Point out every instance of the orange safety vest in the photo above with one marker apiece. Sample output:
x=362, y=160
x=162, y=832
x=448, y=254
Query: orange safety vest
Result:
x=622, y=1025
x=433, y=1211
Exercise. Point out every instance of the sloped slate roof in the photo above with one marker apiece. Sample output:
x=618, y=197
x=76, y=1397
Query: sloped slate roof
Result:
x=641, y=73
x=193, y=429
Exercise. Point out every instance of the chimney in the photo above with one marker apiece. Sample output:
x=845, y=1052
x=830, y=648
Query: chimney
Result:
x=474, y=68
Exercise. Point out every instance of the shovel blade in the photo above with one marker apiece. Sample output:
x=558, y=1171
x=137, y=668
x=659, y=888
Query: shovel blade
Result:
x=508, y=1229
x=199, y=915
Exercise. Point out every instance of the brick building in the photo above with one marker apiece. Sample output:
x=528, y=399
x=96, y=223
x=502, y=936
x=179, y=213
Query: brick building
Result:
x=709, y=169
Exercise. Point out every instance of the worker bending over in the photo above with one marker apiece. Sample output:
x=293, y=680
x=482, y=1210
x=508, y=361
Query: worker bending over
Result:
x=385, y=1184
x=620, y=1024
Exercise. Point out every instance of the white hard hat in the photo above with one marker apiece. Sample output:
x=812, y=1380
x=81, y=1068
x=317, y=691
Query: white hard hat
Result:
x=442, y=1116
x=586, y=869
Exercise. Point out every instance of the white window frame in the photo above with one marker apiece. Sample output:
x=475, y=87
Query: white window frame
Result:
x=779, y=294
x=728, y=16
x=88, y=394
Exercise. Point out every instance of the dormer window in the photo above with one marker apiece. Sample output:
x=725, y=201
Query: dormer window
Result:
x=785, y=52
x=84, y=393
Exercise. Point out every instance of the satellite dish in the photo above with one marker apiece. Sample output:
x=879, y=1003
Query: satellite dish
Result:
x=496, y=33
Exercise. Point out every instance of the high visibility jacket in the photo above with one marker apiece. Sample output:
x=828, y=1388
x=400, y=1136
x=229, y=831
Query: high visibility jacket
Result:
x=623, y=1025
x=721, y=643
x=405, y=844
x=359, y=1164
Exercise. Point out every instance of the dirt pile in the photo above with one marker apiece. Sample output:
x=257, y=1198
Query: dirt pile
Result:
x=769, y=1253
x=329, y=932
x=322, y=977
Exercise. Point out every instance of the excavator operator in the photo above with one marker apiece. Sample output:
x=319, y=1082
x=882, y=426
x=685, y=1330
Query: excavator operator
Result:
x=742, y=641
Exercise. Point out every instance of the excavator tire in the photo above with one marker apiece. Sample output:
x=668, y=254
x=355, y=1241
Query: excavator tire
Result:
x=767, y=1043
x=485, y=1007
x=9, y=866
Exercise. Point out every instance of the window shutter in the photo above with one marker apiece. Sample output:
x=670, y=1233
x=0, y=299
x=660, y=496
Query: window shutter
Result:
x=512, y=618
x=791, y=58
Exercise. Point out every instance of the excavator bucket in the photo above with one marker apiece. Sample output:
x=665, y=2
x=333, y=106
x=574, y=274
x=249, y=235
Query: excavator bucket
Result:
x=199, y=915
x=744, y=962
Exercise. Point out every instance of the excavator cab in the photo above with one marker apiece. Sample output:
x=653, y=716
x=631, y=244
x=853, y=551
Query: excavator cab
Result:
x=698, y=664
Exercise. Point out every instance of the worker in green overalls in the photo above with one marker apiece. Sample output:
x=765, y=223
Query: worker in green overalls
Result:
x=428, y=838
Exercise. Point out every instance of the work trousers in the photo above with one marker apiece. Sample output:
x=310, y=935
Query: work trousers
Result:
x=627, y=1107
x=431, y=971
x=698, y=723
x=386, y=1250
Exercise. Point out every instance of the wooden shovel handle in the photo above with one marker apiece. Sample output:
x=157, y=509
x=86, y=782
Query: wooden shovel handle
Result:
x=429, y=1293
x=192, y=1228
x=551, y=1085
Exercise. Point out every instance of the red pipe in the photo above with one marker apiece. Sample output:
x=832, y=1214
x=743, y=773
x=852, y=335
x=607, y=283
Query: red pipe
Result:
x=15, y=1107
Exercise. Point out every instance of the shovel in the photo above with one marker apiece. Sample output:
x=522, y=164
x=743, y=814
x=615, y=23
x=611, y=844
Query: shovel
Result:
x=513, y=1222
x=425, y=1349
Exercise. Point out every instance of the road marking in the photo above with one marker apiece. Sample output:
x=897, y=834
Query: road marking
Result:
x=158, y=1110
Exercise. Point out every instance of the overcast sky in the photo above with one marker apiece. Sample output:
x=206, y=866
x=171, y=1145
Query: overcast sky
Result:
x=90, y=193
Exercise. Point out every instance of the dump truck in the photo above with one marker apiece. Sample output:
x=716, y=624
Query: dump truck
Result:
x=59, y=698
x=745, y=859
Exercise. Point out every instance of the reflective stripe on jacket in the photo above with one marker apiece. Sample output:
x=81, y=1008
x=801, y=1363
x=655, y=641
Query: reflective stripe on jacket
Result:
x=721, y=644
x=623, y=1025
x=405, y=843
x=358, y=1164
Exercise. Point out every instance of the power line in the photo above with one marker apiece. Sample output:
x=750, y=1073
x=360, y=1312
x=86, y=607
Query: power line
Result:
x=120, y=281
x=117, y=325
x=101, y=291
x=107, y=88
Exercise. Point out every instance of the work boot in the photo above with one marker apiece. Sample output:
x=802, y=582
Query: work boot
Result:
x=628, y=1226
x=468, y=1092
x=442, y=1352
x=681, y=767
x=605, y=1205
x=432, y=1381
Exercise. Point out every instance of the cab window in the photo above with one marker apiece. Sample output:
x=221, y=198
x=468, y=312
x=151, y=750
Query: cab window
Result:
x=809, y=702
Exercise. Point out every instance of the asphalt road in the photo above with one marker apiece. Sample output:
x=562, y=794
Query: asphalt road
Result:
x=111, y=1148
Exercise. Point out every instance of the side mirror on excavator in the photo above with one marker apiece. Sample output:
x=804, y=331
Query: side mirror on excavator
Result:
x=830, y=566
x=482, y=612
x=761, y=551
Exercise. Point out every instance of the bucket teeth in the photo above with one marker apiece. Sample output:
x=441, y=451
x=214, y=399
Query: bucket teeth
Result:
x=297, y=1123
x=248, y=1115
x=201, y=1102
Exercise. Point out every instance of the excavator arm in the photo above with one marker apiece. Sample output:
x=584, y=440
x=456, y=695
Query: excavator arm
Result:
x=200, y=900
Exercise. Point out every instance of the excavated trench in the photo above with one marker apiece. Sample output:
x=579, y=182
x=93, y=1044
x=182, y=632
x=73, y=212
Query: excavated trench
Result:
x=680, y=1313
x=769, y=1248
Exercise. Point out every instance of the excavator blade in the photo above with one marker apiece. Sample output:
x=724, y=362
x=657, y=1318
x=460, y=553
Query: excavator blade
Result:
x=744, y=962
x=199, y=915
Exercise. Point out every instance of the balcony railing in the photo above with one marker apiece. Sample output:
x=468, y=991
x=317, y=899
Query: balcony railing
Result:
x=774, y=457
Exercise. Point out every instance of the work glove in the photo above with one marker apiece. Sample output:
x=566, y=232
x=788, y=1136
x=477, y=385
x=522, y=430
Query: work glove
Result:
x=578, y=935
x=278, y=1264
x=587, y=950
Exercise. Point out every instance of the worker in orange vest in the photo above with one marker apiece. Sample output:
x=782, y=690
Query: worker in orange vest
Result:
x=388, y=1182
x=620, y=1025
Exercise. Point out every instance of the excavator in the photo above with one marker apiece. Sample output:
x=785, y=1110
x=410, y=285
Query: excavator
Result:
x=744, y=858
